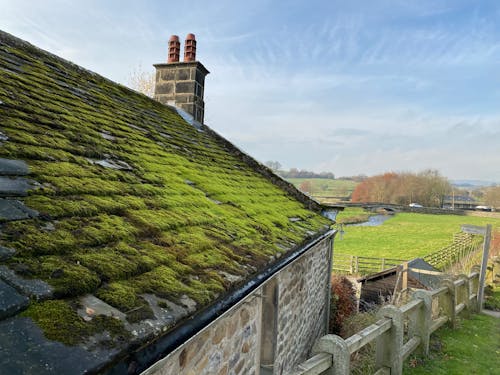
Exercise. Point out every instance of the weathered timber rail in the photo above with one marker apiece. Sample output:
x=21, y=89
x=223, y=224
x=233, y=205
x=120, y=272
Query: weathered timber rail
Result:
x=354, y=264
x=414, y=321
x=463, y=245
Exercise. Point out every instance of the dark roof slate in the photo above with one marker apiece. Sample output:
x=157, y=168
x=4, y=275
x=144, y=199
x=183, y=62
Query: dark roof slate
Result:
x=117, y=218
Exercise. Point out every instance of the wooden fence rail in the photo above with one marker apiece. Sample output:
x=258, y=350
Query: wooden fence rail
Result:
x=463, y=245
x=353, y=264
x=415, y=321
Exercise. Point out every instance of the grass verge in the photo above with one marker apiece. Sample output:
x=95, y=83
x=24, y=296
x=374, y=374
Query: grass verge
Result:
x=473, y=348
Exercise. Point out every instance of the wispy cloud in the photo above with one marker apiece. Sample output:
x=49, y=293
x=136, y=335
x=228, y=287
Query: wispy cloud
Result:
x=352, y=87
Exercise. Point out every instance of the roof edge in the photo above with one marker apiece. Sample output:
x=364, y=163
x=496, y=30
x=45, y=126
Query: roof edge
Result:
x=268, y=173
x=150, y=353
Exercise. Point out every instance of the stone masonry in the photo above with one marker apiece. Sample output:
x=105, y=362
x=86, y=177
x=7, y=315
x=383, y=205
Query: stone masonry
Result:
x=303, y=307
x=230, y=346
x=182, y=84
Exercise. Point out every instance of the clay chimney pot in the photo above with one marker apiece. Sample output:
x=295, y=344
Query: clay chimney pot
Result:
x=174, y=49
x=190, y=48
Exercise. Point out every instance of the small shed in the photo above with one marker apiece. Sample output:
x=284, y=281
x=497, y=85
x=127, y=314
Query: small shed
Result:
x=379, y=287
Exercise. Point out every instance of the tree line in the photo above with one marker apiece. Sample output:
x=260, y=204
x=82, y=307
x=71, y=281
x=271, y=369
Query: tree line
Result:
x=296, y=173
x=427, y=188
x=491, y=196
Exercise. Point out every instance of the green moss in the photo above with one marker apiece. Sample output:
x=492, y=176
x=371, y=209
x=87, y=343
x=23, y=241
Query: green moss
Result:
x=63, y=207
x=104, y=229
x=67, y=277
x=156, y=228
x=162, y=281
x=108, y=263
x=59, y=322
x=120, y=295
x=29, y=239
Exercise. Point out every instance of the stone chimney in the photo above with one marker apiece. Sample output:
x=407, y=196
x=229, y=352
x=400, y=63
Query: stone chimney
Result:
x=182, y=84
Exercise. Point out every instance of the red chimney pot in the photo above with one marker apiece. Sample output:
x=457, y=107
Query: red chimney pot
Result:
x=190, y=48
x=174, y=49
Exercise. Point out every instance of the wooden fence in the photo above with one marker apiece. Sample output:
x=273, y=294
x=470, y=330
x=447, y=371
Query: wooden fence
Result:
x=463, y=245
x=399, y=331
x=353, y=264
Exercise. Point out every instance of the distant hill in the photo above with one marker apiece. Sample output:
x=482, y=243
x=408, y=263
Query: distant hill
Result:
x=325, y=189
x=472, y=183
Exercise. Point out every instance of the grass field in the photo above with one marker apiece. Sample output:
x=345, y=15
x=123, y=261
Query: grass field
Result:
x=352, y=215
x=325, y=187
x=474, y=348
x=405, y=236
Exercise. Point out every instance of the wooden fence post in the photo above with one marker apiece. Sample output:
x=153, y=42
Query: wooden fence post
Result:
x=484, y=265
x=464, y=292
x=474, y=288
x=448, y=301
x=422, y=325
x=390, y=343
x=404, y=280
x=337, y=347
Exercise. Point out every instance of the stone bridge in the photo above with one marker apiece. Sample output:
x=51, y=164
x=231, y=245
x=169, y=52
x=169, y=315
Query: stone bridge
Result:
x=377, y=206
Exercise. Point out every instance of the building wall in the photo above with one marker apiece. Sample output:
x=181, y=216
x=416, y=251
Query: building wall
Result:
x=232, y=344
x=303, y=307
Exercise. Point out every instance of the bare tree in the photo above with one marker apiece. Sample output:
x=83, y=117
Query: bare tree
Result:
x=142, y=81
x=274, y=165
x=492, y=196
x=306, y=187
x=427, y=188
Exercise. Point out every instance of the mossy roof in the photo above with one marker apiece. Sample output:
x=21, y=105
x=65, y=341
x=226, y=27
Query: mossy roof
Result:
x=130, y=212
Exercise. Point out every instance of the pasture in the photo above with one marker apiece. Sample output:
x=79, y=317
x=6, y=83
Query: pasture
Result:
x=324, y=188
x=405, y=236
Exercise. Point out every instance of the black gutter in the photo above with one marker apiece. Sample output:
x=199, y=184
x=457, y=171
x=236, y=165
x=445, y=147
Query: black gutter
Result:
x=146, y=356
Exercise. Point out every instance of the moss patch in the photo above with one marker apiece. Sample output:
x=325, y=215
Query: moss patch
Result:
x=59, y=322
x=184, y=208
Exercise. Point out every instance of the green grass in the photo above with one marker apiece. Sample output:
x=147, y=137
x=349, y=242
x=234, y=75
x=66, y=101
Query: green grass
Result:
x=326, y=187
x=406, y=235
x=352, y=215
x=473, y=348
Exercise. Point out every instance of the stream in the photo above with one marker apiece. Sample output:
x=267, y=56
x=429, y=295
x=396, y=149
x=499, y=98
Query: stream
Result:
x=373, y=221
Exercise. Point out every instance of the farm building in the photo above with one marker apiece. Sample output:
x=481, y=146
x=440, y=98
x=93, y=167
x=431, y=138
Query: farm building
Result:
x=380, y=286
x=462, y=202
x=134, y=239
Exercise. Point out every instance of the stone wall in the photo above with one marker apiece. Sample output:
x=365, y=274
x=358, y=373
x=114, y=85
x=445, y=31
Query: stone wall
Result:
x=303, y=306
x=232, y=344
x=229, y=346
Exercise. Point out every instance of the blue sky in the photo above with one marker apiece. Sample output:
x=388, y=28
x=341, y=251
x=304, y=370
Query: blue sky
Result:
x=352, y=87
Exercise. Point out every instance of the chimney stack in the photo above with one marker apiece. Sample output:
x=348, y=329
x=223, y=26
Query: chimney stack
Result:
x=174, y=49
x=182, y=84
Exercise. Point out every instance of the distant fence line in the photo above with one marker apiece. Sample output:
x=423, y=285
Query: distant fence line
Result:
x=464, y=244
x=414, y=321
